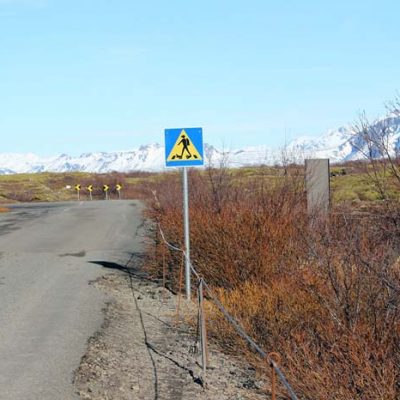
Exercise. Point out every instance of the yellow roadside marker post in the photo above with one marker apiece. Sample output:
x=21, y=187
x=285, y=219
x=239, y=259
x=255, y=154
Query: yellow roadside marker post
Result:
x=90, y=190
x=78, y=189
x=106, y=188
x=118, y=188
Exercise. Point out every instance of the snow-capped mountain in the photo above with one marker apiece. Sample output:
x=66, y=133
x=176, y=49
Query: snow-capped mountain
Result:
x=344, y=144
x=338, y=145
x=145, y=158
x=335, y=145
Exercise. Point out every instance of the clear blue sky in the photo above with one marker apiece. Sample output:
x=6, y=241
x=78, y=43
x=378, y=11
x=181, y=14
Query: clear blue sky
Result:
x=86, y=75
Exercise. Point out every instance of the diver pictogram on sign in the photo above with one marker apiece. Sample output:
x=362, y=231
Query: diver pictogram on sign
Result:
x=184, y=149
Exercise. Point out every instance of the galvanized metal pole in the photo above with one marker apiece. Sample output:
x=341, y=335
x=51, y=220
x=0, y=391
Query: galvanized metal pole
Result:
x=186, y=231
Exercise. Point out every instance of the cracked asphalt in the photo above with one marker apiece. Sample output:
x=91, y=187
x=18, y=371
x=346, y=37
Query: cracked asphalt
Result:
x=49, y=253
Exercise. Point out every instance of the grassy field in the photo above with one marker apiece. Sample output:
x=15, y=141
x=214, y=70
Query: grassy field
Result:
x=38, y=187
x=349, y=183
x=42, y=187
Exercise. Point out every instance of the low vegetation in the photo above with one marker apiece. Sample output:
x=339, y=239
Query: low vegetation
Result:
x=61, y=186
x=323, y=292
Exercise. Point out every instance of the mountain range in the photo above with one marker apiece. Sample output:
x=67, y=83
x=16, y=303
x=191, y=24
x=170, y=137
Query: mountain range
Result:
x=338, y=145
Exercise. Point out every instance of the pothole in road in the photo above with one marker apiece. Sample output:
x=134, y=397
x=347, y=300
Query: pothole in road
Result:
x=79, y=254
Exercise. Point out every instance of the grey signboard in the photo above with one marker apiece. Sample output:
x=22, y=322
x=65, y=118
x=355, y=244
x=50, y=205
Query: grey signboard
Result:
x=317, y=186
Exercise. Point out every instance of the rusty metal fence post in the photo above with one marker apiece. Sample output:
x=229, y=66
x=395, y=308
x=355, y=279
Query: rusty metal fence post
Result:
x=203, y=328
x=273, y=359
x=178, y=307
x=164, y=274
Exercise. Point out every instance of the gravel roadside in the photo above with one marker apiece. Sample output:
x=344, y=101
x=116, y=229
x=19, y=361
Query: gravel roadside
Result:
x=140, y=354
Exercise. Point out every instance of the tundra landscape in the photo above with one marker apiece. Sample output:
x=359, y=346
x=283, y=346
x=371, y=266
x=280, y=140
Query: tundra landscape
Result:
x=323, y=292
x=199, y=200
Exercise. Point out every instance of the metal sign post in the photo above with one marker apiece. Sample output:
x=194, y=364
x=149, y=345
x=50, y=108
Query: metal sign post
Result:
x=186, y=230
x=184, y=148
x=118, y=188
x=90, y=189
x=106, y=188
x=78, y=189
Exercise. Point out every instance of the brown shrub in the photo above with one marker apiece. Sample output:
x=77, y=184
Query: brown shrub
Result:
x=325, y=293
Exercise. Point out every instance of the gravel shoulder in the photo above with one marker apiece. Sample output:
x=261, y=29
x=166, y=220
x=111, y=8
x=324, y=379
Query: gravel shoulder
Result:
x=140, y=353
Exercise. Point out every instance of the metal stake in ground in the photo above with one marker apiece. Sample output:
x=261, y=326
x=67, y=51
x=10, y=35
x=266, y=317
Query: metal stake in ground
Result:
x=186, y=231
x=274, y=358
x=203, y=330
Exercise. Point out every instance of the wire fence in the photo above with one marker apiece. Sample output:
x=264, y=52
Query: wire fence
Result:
x=271, y=358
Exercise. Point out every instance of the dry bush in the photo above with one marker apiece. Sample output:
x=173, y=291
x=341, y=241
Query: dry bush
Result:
x=21, y=195
x=325, y=293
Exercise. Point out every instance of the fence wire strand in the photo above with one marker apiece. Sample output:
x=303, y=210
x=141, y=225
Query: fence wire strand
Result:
x=239, y=329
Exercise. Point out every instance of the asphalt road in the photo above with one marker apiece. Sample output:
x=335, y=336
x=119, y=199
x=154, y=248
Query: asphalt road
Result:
x=49, y=253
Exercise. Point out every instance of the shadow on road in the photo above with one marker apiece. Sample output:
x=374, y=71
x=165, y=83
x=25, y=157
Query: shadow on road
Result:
x=132, y=267
x=134, y=270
